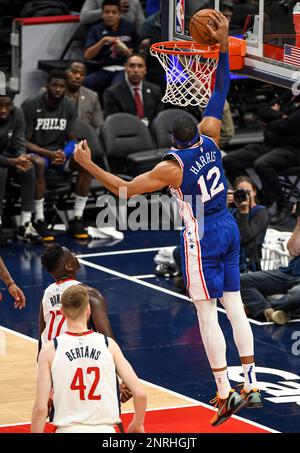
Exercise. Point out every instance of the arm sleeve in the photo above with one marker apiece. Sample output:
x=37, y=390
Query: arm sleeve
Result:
x=28, y=110
x=91, y=39
x=266, y=114
x=216, y=103
x=110, y=105
x=90, y=12
x=18, y=143
x=71, y=123
x=3, y=161
x=98, y=114
x=249, y=230
x=140, y=17
x=288, y=126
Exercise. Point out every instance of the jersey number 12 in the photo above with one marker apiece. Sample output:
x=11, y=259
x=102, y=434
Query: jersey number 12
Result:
x=214, y=173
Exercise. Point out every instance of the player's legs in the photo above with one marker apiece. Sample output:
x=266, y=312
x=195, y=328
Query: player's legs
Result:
x=233, y=305
x=227, y=400
x=82, y=188
x=244, y=341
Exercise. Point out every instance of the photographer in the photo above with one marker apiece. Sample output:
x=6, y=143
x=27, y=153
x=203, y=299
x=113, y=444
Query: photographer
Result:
x=257, y=286
x=252, y=220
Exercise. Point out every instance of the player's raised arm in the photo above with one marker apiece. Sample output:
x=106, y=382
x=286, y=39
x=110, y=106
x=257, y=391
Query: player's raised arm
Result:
x=211, y=123
x=127, y=374
x=164, y=174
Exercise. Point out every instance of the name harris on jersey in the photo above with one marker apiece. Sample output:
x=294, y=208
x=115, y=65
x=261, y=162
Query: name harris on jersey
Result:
x=204, y=159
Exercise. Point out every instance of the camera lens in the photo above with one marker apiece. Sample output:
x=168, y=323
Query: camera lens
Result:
x=240, y=195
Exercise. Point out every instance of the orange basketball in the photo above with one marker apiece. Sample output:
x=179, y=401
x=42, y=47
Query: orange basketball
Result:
x=198, y=30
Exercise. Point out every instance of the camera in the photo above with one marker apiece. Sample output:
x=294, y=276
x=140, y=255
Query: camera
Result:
x=240, y=195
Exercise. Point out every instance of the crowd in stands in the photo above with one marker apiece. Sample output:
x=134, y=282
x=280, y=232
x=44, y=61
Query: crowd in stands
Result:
x=41, y=134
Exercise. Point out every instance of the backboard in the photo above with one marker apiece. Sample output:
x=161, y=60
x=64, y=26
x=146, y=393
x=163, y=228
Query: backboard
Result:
x=270, y=27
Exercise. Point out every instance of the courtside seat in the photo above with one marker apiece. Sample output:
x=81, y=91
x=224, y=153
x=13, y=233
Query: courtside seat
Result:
x=290, y=179
x=73, y=48
x=161, y=127
x=128, y=145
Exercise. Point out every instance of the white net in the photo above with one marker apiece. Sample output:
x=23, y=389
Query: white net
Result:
x=188, y=72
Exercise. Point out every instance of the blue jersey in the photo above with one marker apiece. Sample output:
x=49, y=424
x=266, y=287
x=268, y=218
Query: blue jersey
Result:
x=210, y=256
x=203, y=175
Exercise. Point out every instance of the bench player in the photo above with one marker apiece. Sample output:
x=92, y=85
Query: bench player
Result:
x=81, y=367
x=211, y=265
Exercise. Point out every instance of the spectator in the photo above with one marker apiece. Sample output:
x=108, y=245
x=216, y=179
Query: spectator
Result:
x=134, y=95
x=15, y=162
x=50, y=137
x=252, y=220
x=150, y=33
x=87, y=102
x=13, y=289
x=131, y=10
x=152, y=6
x=227, y=128
x=257, y=286
x=110, y=42
x=227, y=7
x=278, y=152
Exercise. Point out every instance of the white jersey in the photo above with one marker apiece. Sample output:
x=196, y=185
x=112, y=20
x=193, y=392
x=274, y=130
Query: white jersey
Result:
x=55, y=321
x=84, y=381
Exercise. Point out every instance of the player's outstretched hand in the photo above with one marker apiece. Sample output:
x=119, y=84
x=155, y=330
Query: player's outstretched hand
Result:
x=82, y=153
x=221, y=33
x=18, y=295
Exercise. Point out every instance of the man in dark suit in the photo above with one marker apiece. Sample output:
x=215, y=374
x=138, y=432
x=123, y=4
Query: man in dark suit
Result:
x=134, y=95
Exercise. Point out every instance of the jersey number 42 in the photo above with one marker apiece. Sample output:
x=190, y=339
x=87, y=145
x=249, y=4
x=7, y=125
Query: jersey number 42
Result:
x=79, y=385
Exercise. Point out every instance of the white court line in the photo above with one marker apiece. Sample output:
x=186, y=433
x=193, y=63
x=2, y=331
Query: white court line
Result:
x=207, y=406
x=148, y=285
x=130, y=411
x=15, y=424
x=153, y=249
x=17, y=334
x=170, y=392
x=124, y=252
x=144, y=276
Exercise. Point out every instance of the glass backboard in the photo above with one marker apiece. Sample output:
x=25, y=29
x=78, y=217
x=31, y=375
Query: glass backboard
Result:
x=270, y=27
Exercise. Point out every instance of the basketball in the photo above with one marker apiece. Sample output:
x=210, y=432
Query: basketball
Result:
x=198, y=30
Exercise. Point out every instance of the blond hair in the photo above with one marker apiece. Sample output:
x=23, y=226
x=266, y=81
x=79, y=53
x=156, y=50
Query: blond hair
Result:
x=74, y=301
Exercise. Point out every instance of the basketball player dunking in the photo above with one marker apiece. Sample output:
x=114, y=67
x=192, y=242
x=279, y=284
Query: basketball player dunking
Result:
x=81, y=367
x=211, y=264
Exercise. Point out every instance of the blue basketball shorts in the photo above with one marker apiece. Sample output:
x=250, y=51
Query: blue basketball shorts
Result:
x=211, y=265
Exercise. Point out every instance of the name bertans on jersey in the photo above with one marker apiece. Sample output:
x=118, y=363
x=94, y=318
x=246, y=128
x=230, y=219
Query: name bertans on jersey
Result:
x=53, y=124
x=83, y=352
x=205, y=159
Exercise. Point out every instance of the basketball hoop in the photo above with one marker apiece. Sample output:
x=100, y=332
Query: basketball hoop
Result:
x=190, y=68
